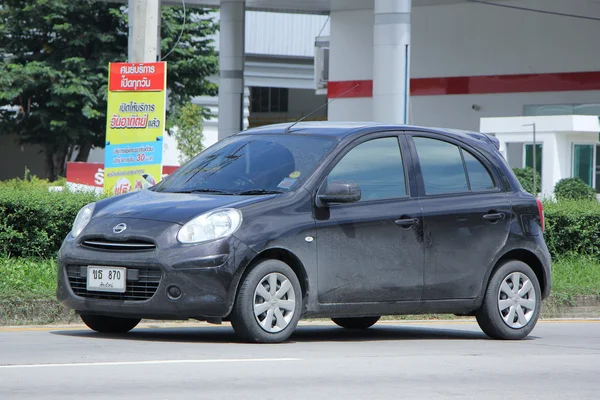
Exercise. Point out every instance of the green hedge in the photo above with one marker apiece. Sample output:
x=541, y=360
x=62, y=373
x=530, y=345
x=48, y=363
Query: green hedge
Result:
x=34, y=221
x=573, y=227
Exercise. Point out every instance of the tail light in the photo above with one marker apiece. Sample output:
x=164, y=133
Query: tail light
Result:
x=541, y=212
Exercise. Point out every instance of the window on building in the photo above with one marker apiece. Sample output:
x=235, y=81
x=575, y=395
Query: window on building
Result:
x=583, y=163
x=376, y=166
x=562, y=109
x=266, y=99
x=538, y=157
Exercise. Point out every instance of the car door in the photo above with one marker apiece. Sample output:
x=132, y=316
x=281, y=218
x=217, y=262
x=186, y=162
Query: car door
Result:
x=466, y=216
x=371, y=250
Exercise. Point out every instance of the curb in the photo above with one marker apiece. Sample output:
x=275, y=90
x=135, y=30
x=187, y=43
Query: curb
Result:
x=46, y=312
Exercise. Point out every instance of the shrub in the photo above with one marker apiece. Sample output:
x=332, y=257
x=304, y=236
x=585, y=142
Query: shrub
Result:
x=34, y=221
x=525, y=177
x=573, y=228
x=573, y=189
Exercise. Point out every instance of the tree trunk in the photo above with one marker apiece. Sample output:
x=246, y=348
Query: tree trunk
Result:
x=56, y=157
x=84, y=152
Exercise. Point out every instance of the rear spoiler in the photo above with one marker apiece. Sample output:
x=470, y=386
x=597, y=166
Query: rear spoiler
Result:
x=493, y=140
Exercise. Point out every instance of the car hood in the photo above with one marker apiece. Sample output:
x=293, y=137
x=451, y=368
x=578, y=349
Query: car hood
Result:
x=168, y=207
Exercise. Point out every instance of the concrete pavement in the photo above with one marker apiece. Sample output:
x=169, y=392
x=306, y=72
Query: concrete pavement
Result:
x=392, y=360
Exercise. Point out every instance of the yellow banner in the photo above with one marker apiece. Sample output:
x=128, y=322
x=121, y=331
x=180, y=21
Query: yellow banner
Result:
x=134, y=126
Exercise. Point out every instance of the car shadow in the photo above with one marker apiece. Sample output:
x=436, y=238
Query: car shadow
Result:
x=303, y=334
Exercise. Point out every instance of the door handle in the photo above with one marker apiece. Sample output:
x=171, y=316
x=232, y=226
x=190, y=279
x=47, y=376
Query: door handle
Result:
x=406, y=222
x=493, y=217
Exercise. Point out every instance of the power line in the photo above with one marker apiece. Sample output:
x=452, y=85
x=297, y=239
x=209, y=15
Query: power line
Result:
x=489, y=3
x=180, y=33
x=324, y=25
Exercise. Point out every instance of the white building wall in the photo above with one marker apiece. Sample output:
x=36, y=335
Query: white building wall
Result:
x=351, y=59
x=557, y=134
x=469, y=39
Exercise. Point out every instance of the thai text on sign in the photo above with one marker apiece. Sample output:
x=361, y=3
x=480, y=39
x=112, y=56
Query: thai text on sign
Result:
x=134, y=126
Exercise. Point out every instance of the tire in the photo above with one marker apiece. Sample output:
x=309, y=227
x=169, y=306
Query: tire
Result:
x=279, y=311
x=105, y=324
x=505, y=314
x=356, y=323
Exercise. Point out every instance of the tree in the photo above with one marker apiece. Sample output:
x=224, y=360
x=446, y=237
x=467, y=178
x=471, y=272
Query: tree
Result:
x=187, y=129
x=54, y=57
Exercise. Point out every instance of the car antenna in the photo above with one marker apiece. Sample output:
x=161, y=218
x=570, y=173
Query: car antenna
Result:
x=287, y=130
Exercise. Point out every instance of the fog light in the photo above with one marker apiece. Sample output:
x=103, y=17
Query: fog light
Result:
x=174, y=292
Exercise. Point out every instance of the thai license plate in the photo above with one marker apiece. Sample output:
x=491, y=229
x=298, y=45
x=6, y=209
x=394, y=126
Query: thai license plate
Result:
x=106, y=279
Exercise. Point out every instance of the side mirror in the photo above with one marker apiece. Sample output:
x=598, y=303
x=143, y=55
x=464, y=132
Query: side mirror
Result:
x=341, y=192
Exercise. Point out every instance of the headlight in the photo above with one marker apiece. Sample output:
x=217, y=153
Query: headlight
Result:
x=210, y=226
x=83, y=217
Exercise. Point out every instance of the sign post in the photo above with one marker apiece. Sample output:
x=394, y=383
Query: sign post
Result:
x=135, y=125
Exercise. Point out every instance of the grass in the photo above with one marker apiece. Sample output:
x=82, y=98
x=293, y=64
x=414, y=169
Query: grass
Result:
x=576, y=276
x=27, y=278
x=36, y=278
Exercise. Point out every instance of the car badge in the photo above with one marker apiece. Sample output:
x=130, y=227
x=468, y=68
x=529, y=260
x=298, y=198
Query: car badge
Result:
x=119, y=228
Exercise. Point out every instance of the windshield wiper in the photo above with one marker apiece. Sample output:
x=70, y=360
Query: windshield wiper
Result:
x=258, y=191
x=214, y=191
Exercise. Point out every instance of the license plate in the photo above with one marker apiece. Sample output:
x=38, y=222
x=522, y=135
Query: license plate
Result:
x=106, y=279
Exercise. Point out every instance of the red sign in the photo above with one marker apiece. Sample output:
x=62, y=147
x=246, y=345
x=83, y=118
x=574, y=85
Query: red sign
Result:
x=138, y=77
x=92, y=174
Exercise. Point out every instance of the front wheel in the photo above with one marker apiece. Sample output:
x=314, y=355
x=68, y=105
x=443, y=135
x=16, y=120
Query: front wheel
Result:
x=105, y=324
x=356, y=323
x=512, y=302
x=268, y=304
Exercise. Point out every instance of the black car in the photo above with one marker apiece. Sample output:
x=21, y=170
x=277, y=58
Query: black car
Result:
x=346, y=221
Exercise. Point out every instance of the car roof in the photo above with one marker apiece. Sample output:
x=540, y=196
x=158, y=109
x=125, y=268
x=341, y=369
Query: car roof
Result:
x=342, y=130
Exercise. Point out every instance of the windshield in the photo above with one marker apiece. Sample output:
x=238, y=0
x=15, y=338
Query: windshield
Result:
x=249, y=164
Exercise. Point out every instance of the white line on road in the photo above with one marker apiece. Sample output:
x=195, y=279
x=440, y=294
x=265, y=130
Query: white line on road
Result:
x=93, y=364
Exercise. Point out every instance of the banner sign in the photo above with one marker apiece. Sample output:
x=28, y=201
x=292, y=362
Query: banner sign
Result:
x=135, y=125
x=82, y=176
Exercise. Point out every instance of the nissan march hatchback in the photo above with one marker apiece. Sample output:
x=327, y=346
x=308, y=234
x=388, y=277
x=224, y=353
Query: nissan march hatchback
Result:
x=346, y=221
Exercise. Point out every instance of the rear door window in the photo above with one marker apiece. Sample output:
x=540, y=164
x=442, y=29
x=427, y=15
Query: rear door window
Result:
x=447, y=168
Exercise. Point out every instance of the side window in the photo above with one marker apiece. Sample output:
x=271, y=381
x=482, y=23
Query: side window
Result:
x=479, y=177
x=441, y=165
x=376, y=166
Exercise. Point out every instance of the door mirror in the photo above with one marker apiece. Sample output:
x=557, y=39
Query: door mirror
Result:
x=341, y=192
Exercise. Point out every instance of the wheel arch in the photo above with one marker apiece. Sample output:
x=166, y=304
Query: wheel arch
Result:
x=283, y=255
x=529, y=258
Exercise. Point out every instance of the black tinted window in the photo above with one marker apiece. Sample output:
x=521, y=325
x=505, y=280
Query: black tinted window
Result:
x=441, y=165
x=376, y=166
x=479, y=177
x=250, y=163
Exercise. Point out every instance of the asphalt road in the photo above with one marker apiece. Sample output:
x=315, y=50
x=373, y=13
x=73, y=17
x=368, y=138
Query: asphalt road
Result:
x=392, y=360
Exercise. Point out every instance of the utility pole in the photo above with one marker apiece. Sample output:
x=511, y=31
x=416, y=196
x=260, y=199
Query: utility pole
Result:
x=144, y=30
x=534, y=151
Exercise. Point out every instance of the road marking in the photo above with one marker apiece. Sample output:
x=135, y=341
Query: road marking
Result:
x=152, y=362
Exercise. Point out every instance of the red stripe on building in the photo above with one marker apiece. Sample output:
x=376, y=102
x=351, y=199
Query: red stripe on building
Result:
x=337, y=89
x=491, y=84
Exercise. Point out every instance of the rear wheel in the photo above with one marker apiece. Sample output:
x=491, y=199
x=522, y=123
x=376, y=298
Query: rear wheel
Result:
x=268, y=303
x=105, y=324
x=512, y=302
x=356, y=323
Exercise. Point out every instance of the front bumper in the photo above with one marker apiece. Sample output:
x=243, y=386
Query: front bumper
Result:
x=206, y=274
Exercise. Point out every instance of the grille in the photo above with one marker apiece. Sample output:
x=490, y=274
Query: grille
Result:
x=141, y=284
x=102, y=244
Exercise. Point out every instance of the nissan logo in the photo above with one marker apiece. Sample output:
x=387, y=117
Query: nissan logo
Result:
x=119, y=228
